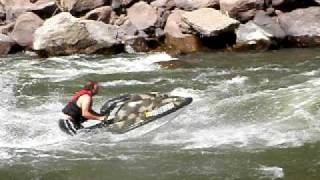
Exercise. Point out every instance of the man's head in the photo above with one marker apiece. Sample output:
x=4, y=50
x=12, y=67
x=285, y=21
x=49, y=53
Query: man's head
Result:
x=92, y=86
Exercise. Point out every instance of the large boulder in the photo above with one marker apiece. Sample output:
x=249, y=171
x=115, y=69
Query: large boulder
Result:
x=118, y=20
x=142, y=27
x=302, y=26
x=176, y=40
x=269, y=24
x=168, y=4
x=44, y=8
x=262, y=33
x=142, y=15
x=79, y=6
x=242, y=10
x=251, y=36
x=136, y=40
x=100, y=14
x=278, y=3
x=64, y=34
x=25, y=27
x=6, y=43
x=185, y=4
x=175, y=26
x=129, y=29
x=14, y=8
x=115, y=4
x=209, y=22
x=196, y=4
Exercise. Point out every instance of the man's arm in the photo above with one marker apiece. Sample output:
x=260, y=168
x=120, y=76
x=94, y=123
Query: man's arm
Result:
x=87, y=112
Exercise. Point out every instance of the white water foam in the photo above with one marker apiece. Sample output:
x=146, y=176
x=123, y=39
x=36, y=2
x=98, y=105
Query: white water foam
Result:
x=238, y=80
x=7, y=94
x=58, y=69
x=182, y=92
x=311, y=73
x=36, y=127
x=204, y=125
x=269, y=67
x=5, y=155
x=31, y=128
x=129, y=82
x=272, y=172
x=208, y=76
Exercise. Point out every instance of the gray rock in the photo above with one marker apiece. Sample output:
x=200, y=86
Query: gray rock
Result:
x=135, y=40
x=142, y=15
x=43, y=4
x=174, y=24
x=64, y=34
x=118, y=20
x=44, y=8
x=195, y=4
x=14, y=8
x=7, y=29
x=251, y=36
x=24, y=29
x=78, y=6
x=302, y=26
x=185, y=4
x=276, y=3
x=168, y=4
x=115, y=4
x=242, y=10
x=136, y=44
x=269, y=24
x=100, y=14
x=129, y=29
x=317, y=1
x=176, y=41
x=6, y=44
x=209, y=22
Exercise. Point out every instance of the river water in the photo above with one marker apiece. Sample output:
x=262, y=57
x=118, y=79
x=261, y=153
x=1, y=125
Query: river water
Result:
x=254, y=116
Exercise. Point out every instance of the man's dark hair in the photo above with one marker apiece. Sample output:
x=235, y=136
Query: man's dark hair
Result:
x=89, y=85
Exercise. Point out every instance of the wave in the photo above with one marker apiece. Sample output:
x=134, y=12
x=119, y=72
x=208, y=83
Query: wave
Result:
x=57, y=69
x=288, y=117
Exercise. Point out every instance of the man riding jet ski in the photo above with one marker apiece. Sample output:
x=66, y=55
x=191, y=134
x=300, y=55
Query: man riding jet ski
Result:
x=120, y=114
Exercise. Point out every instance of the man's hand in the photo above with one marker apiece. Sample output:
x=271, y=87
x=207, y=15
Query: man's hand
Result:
x=103, y=118
x=108, y=119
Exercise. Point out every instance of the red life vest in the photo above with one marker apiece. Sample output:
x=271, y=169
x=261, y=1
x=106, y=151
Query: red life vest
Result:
x=80, y=93
x=72, y=108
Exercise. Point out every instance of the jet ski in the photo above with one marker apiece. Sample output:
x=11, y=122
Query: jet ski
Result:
x=130, y=111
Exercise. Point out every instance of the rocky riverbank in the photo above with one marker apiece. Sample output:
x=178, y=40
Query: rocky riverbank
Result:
x=63, y=27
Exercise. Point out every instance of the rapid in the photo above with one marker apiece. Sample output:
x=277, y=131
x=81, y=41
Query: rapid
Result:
x=254, y=116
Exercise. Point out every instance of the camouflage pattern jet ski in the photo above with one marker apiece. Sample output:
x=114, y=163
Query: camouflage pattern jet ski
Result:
x=132, y=111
